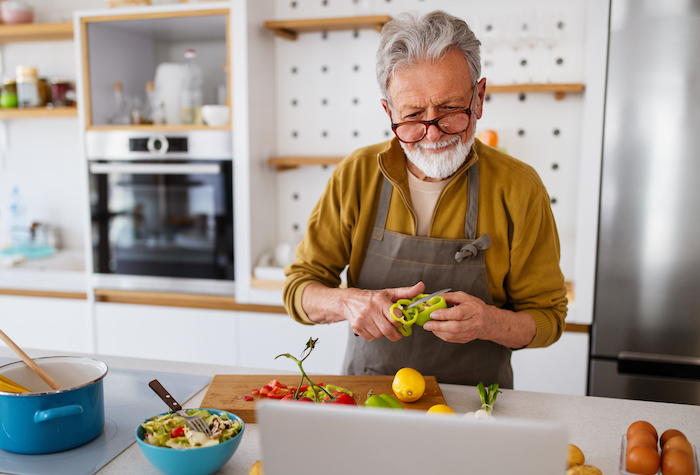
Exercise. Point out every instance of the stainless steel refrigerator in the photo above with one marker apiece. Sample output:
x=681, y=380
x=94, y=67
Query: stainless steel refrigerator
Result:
x=646, y=327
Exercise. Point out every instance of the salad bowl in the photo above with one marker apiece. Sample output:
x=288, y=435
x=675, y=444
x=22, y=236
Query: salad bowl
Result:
x=191, y=461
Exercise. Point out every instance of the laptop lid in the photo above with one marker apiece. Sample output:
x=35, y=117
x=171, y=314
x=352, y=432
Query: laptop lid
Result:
x=315, y=438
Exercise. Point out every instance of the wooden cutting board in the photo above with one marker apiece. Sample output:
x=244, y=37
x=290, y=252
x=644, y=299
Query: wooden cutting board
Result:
x=226, y=391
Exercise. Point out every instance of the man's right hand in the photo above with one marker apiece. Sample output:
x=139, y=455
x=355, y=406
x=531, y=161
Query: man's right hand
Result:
x=367, y=311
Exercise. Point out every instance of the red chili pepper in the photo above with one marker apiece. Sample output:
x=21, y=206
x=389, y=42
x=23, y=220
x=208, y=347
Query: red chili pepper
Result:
x=179, y=431
x=248, y=397
x=340, y=397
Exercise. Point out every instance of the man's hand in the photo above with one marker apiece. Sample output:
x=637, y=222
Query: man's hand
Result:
x=367, y=311
x=469, y=318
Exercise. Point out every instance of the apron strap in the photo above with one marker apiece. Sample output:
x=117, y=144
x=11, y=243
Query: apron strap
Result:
x=473, y=203
x=469, y=251
x=382, y=210
x=469, y=219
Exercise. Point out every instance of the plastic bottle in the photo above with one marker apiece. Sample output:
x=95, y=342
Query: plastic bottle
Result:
x=191, y=90
x=120, y=110
x=17, y=214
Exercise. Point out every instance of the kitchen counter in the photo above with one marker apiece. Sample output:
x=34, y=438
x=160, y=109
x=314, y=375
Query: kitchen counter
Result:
x=62, y=272
x=594, y=424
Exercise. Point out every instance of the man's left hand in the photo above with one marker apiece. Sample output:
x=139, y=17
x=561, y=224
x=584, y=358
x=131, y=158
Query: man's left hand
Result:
x=469, y=318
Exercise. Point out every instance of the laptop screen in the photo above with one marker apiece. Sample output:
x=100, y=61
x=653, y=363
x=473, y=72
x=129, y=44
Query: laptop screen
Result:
x=314, y=438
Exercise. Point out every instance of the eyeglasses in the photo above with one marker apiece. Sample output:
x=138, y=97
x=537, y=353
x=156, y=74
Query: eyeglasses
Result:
x=452, y=123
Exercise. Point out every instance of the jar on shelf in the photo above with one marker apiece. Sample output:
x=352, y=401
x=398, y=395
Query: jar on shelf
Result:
x=8, y=94
x=44, y=92
x=27, y=87
x=62, y=92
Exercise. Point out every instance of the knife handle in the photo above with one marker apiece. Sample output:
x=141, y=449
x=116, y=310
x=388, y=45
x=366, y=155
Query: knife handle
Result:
x=165, y=395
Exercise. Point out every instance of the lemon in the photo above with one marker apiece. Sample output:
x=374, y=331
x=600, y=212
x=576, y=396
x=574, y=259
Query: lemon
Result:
x=440, y=409
x=408, y=385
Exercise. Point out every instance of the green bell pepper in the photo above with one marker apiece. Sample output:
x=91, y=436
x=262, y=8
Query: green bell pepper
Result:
x=419, y=314
x=408, y=317
x=382, y=400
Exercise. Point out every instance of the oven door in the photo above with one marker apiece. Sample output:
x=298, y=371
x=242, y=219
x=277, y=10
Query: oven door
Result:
x=162, y=218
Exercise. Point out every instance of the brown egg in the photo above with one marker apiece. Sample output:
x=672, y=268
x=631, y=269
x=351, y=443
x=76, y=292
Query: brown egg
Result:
x=677, y=462
x=668, y=434
x=643, y=460
x=641, y=438
x=679, y=443
x=642, y=425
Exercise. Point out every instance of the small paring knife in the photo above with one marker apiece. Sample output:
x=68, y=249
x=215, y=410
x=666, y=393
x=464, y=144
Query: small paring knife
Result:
x=425, y=299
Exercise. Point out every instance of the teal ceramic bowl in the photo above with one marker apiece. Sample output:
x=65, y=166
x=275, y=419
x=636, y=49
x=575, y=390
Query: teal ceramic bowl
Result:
x=198, y=461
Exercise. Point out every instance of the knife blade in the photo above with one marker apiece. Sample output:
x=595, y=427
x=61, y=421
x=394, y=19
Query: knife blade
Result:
x=425, y=299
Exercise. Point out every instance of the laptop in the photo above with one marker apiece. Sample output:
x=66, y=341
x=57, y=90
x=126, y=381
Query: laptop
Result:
x=300, y=438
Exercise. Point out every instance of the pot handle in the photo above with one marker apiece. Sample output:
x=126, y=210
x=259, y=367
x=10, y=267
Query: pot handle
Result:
x=48, y=414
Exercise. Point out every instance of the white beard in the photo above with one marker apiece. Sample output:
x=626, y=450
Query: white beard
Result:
x=444, y=164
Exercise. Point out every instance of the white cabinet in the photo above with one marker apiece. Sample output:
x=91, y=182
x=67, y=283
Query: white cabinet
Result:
x=561, y=368
x=264, y=336
x=47, y=323
x=166, y=333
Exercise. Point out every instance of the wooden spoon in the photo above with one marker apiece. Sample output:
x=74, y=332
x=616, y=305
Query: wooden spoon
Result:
x=29, y=362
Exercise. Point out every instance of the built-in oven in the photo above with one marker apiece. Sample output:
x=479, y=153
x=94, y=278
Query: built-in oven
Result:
x=162, y=210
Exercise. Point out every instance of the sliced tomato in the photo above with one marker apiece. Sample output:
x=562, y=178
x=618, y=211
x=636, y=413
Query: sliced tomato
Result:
x=290, y=397
x=264, y=391
x=279, y=392
x=179, y=431
x=255, y=392
x=248, y=397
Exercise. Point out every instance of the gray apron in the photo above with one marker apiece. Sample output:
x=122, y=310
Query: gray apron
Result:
x=400, y=260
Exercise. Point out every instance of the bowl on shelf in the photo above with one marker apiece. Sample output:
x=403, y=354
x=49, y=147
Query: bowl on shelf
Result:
x=215, y=115
x=13, y=12
x=193, y=461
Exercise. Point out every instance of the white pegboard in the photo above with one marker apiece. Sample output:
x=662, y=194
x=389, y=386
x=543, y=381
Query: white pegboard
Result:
x=328, y=100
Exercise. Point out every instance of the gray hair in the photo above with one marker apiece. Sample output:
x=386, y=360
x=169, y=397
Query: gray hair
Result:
x=411, y=38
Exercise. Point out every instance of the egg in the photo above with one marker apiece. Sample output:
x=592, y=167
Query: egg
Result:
x=643, y=460
x=677, y=462
x=679, y=443
x=644, y=426
x=641, y=438
x=668, y=434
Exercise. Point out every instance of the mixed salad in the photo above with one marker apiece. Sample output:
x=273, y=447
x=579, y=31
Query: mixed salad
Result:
x=170, y=430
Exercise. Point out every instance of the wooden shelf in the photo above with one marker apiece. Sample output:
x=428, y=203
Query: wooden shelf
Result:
x=164, y=128
x=289, y=29
x=36, y=32
x=287, y=163
x=559, y=90
x=37, y=112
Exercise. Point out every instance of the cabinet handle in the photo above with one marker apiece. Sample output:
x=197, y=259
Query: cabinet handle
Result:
x=154, y=169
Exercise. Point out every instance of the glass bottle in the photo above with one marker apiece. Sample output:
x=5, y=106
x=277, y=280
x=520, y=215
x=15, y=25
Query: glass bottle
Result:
x=191, y=90
x=120, y=110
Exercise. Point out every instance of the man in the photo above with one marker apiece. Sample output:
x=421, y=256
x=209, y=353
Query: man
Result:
x=431, y=209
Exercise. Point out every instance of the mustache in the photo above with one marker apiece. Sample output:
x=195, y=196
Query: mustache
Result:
x=432, y=146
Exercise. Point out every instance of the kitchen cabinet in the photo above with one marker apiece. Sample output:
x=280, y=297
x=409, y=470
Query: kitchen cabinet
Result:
x=129, y=45
x=47, y=323
x=166, y=333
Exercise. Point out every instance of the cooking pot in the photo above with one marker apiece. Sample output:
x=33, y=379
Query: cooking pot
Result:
x=46, y=421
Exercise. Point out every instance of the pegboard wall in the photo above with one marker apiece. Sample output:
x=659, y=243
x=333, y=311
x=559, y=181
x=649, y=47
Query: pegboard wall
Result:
x=328, y=102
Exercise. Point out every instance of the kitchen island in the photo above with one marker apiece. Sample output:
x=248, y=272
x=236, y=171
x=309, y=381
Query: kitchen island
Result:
x=594, y=424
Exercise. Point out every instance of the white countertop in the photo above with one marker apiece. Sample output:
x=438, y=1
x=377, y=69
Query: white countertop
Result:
x=62, y=272
x=594, y=424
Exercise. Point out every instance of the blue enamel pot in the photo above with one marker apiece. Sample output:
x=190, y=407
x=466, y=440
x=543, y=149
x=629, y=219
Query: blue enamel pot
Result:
x=45, y=420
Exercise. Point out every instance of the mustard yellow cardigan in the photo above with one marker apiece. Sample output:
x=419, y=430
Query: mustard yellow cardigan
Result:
x=514, y=208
